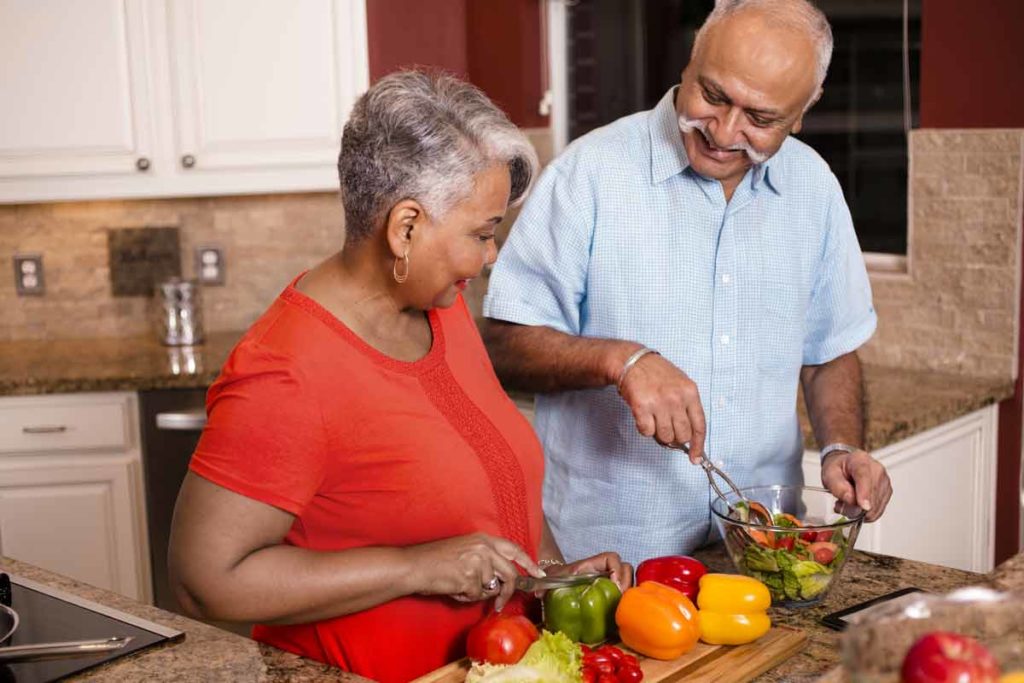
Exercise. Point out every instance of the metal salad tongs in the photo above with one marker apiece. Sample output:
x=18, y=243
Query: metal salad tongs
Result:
x=755, y=512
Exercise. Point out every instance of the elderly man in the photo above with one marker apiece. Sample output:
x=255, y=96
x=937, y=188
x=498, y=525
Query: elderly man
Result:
x=675, y=275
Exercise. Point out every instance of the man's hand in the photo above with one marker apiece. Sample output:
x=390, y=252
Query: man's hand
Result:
x=857, y=479
x=665, y=404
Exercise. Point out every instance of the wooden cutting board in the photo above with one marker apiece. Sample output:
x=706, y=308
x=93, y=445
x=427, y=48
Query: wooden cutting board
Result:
x=705, y=663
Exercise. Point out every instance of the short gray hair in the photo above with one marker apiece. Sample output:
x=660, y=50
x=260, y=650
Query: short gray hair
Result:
x=424, y=136
x=796, y=14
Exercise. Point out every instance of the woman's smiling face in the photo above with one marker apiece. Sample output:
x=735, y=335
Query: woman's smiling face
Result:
x=450, y=251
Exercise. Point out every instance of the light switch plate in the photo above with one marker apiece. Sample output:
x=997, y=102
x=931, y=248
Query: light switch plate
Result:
x=28, y=275
x=210, y=266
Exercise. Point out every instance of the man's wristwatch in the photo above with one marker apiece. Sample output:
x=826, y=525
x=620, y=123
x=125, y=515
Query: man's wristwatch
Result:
x=833, y=447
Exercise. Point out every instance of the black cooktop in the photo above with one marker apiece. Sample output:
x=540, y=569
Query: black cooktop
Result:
x=49, y=615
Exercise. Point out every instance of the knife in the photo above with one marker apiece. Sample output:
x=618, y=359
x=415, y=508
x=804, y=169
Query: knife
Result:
x=530, y=583
x=70, y=648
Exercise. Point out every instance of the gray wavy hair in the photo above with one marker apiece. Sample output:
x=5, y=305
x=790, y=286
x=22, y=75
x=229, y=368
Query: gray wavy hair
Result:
x=796, y=14
x=424, y=136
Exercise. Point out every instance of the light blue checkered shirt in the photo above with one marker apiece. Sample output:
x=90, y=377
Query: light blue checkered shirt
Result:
x=622, y=239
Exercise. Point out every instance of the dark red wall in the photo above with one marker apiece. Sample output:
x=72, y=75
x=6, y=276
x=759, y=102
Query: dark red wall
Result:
x=505, y=44
x=497, y=44
x=404, y=33
x=972, y=64
x=972, y=76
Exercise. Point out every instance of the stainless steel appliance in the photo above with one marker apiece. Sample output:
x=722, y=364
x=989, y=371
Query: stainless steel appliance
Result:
x=171, y=421
x=49, y=615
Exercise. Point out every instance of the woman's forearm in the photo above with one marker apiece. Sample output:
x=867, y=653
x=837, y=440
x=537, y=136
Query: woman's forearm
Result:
x=286, y=585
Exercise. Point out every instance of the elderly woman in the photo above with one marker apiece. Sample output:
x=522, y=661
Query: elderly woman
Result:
x=364, y=487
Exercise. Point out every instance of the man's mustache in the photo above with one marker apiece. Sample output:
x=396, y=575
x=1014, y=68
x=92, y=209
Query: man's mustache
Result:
x=689, y=125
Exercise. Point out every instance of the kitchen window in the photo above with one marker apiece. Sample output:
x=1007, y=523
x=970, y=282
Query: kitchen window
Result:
x=622, y=55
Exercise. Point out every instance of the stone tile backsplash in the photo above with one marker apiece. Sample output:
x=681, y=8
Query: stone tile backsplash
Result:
x=267, y=240
x=955, y=309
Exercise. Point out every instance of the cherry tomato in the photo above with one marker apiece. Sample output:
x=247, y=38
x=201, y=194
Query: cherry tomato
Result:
x=500, y=638
x=585, y=648
x=786, y=543
x=594, y=658
x=630, y=674
x=629, y=660
x=589, y=675
x=607, y=678
x=612, y=653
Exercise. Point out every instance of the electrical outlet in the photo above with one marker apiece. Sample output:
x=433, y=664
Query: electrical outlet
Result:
x=210, y=265
x=28, y=275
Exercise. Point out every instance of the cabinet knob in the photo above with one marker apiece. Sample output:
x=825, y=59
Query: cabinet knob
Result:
x=188, y=161
x=142, y=163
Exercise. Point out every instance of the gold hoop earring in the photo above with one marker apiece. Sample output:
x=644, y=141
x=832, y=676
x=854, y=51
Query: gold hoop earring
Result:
x=401, y=277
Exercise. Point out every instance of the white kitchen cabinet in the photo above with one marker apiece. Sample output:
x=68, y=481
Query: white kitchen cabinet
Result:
x=76, y=89
x=943, y=505
x=71, y=496
x=137, y=98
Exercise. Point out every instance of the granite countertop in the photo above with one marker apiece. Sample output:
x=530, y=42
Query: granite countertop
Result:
x=209, y=653
x=110, y=364
x=900, y=403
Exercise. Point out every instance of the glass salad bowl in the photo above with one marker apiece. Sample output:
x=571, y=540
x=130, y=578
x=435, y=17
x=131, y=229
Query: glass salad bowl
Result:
x=802, y=553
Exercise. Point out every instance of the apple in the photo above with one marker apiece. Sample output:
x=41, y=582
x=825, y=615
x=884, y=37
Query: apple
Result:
x=944, y=657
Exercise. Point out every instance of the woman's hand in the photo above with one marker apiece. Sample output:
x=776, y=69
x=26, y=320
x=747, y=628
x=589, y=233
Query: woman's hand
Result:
x=621, y=572
x=464, y=568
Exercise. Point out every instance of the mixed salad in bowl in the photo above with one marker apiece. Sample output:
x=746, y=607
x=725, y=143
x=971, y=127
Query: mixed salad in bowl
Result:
x=801, y=552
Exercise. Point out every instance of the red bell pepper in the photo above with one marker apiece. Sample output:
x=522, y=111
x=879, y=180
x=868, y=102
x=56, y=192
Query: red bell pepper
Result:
x=677, y=571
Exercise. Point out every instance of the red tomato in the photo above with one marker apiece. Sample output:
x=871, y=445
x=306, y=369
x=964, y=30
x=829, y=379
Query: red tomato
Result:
x=629, y=660
x=607, y=678
x=585, y=648
x=500, y=638
x=630, y=674
x=809, y=536
x=943, y=657
x=823, y=551
x=589, y=675
x=612, y=653
x=595, y=657
x=786, y=543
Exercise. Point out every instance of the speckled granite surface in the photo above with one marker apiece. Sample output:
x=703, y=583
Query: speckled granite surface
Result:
x=900, y=403
x=210, y=654
x=110, y=364
x=206, y=653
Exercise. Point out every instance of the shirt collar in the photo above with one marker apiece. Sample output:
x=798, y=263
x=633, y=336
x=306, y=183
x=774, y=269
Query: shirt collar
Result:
x=668, y=155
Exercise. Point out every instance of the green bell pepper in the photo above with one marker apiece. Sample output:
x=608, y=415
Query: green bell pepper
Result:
x=584, y=613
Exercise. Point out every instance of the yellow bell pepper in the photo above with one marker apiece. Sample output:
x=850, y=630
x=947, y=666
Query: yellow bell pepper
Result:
x=657, y=621
x=732, y=609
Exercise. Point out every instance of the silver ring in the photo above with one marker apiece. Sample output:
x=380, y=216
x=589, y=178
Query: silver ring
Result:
x=493, y=584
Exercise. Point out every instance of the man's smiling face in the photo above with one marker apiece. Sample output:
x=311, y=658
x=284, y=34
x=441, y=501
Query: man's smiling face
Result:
x=746, y=88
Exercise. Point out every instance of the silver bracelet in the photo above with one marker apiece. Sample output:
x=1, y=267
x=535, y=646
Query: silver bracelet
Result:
x=833, y=447
x=630, y=362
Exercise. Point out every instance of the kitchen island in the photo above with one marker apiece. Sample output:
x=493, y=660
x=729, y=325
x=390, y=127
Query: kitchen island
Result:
x=211, y=654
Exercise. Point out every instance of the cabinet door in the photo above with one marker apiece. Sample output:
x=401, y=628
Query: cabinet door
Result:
x=76, y=93
x=264, y=84
x=75, y=518
x=943, y=505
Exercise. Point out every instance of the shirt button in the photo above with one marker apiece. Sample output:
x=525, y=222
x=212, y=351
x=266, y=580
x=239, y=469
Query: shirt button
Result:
x=726, y=278
x=725, y=339
x=721, y=402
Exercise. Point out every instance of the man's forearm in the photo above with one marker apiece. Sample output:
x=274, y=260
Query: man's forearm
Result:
x=834, y=396
x=541, y=359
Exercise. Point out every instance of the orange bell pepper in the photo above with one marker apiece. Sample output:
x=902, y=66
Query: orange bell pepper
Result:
x=657, y=621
